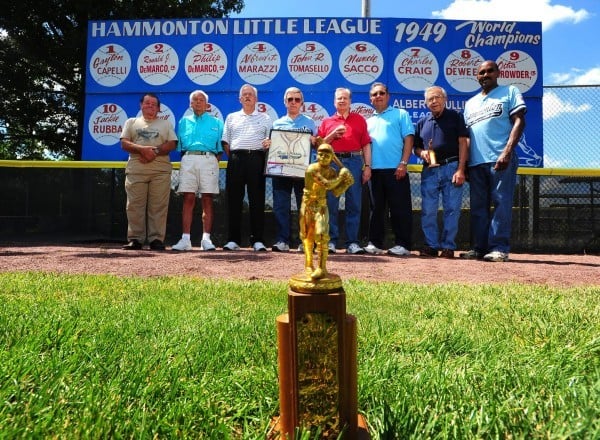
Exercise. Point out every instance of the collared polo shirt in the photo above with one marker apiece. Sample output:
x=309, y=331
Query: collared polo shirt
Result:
x=388, y=130
x=246, y=132
x=443, y=132
x=200, y=133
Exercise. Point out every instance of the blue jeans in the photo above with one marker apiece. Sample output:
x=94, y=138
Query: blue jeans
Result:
x=490, y=188
x=352, y=204
x=282, y=200
x=436, y=181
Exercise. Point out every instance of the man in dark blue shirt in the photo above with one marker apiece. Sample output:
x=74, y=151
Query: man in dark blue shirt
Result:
x=441, y=141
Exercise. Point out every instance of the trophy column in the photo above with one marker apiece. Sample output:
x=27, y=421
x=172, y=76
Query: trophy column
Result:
x=317, y=361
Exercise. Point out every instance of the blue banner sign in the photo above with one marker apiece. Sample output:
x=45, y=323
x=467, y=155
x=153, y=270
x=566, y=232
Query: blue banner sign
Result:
x=174, y=57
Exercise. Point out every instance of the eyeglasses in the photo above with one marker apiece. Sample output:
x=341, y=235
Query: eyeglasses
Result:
x=378, y=93
x=488, y=70
x=294, y=100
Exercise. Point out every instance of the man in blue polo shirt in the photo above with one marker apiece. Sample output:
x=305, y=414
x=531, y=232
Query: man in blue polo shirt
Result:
x=392, y=137
x=200, y=142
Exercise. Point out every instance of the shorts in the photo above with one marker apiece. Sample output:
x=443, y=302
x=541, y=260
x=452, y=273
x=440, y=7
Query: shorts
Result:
x=199, y=174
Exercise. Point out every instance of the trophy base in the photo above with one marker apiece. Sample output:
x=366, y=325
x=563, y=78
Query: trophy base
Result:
x=303, y=283
x=276, y=434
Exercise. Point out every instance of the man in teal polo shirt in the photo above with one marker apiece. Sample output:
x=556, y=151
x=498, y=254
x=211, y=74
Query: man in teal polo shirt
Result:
x=200, y=142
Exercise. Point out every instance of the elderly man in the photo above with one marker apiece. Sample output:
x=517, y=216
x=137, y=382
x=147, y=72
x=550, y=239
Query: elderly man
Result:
x=245, y=137
x=200, y=142
x=293, y=99
x=441, y=141
x=347, y=133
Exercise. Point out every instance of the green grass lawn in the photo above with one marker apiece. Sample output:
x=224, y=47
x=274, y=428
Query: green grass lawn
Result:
x=99, y=357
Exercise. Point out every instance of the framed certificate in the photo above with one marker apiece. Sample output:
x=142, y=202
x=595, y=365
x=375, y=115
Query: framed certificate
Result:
x=289, y=154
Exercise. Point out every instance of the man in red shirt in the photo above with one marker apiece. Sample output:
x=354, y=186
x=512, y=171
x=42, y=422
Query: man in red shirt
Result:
x=347, y=133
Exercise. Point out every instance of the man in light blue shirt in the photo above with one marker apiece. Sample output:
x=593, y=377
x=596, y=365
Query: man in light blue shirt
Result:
x=496, y=119
x=283, y=186
x=392, y=136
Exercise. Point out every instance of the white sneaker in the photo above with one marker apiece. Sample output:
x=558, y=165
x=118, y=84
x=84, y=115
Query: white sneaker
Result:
x=185, y=244
x=231, y=246
x=355, y=249
x=260, y=247
x=207, y=245
x=398, y=251
x=301, y=247
x=280, y=246
x=372, y=249
x=331, y=248
x=496, y=256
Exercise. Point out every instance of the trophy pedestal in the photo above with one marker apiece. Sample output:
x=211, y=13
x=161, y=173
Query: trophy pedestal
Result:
x=317, y=350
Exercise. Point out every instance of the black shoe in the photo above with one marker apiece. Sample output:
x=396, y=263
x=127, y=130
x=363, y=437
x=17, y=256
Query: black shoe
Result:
x=157, y=245
x=427, y=251
x=133, y=245
x=471, y=255
x=447, y=253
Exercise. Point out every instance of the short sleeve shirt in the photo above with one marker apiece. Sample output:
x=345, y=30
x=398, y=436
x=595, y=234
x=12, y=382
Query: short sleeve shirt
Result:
x=488, y=120
x=355, y=137
x=246, y=131
x=443, y=132
x=152, y=133
x=200, y=133
x=388, y=130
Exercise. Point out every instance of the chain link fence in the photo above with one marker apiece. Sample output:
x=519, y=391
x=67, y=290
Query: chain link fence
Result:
x=556, y=208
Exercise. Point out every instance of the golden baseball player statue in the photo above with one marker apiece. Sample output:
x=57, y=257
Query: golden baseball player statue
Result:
x=320, y=177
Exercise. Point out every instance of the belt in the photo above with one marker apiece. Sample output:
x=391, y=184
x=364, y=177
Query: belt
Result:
x=246, y=151
x=446, y=161
x=350, y=154
x=200, y=153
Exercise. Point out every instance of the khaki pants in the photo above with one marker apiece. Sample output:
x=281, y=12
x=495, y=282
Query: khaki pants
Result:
x=147, y=205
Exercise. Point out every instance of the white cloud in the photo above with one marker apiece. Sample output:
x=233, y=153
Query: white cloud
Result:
x=576, y=77
x=553, y=106
x=552, y=162
x=520, y=10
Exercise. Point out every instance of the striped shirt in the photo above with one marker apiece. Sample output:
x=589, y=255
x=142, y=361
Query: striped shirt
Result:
x=246, y=132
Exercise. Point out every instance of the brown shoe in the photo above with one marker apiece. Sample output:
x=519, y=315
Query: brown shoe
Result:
x=427, y=251
x=447, y=253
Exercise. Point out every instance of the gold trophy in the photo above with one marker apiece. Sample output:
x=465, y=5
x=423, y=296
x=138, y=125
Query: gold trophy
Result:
x=316, y=339
x=431, y=153
x=320, y=177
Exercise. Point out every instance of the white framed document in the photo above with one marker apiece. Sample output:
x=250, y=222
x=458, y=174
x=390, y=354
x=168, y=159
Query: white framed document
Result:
x=289, y=153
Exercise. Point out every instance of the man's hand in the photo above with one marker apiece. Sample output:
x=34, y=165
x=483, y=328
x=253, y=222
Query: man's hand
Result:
x=147, y=154
x=502, y=162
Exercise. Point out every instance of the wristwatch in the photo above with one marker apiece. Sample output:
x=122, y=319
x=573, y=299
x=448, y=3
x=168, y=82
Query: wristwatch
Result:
x=403, y=162
x=156, y=150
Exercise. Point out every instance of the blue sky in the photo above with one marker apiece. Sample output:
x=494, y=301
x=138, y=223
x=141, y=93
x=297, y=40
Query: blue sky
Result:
x=571, y=54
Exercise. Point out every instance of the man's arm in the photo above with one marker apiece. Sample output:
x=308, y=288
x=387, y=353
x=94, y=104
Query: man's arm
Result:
x=518, y=125
x=402, y=168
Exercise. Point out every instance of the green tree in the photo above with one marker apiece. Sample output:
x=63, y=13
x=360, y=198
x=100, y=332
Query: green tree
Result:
x=43, y=66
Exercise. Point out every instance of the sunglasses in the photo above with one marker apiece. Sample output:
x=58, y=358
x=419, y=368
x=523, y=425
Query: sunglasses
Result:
x=294, y=100
x=488, y=70
x=379, y=93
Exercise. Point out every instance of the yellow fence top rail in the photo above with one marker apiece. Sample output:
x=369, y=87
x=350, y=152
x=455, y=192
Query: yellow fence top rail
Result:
x=223, y=164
